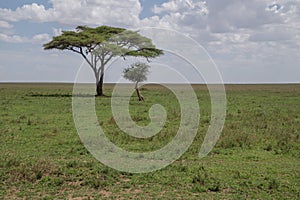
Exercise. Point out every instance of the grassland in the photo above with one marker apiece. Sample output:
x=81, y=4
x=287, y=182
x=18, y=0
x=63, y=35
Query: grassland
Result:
x=257, y=156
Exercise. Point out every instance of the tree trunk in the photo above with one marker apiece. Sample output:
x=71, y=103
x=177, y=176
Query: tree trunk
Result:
x=100, y=86
x=141, y=98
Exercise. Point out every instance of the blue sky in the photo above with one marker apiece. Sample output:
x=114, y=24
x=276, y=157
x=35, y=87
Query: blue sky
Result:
x=254, y=41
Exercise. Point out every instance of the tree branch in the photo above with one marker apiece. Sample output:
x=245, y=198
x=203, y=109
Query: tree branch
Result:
x=72, y=49
x=87, y=60
x=108, y=59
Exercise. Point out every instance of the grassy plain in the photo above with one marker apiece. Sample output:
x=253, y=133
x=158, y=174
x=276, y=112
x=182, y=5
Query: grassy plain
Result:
x=256, y=157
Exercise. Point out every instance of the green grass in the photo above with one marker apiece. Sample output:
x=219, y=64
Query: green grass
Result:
x=257, y=156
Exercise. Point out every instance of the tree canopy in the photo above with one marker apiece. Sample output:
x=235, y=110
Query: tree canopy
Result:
x=137, y=72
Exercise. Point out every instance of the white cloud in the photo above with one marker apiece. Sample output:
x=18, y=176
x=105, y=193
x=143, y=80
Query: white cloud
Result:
x=36, y=39
x=40, y=38
x=74, y=12
x=4, y=24
x=170, y=6
x=275, y=7
x=12, y=38
x=189, y=16
x=32, y=12
x=56, y=31
x=273, y=33
x=233, y=26
x=182, y=6
x=227, y=16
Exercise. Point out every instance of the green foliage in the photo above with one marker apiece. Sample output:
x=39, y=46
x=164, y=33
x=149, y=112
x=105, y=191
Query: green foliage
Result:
x=137, y=72
x=129, y=43
x=82, y=37
x=104, y=40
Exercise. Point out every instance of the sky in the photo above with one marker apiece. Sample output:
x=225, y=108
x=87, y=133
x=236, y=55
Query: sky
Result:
x=253, y=41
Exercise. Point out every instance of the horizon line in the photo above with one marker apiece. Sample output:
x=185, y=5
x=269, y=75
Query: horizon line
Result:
x=194, y=83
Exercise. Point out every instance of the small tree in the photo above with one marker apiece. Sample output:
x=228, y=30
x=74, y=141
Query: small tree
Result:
x=99, y=45
x=137, y=72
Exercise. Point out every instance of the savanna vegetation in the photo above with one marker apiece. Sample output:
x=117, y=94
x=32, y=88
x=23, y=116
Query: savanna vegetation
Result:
x=99, y=45
x=257, y=156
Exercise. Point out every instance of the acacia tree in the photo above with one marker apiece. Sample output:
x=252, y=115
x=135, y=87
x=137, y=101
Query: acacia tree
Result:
x=99, y=45
x=137, y=72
